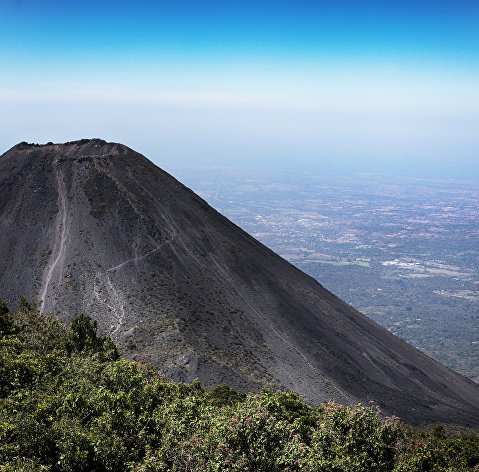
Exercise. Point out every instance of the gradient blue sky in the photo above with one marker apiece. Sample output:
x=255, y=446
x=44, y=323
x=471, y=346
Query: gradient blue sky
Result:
x=368, y=86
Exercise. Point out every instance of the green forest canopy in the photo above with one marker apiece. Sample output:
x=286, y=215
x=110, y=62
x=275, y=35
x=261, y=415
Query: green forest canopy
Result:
x=69, y=402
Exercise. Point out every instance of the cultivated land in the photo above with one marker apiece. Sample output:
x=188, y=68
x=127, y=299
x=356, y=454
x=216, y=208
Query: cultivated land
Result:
x=403, y=251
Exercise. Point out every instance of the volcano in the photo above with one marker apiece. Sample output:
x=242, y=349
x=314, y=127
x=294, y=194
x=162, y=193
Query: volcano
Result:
x=95, y=227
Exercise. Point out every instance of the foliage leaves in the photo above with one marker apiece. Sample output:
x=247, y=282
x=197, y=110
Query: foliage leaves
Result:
x=68, y=402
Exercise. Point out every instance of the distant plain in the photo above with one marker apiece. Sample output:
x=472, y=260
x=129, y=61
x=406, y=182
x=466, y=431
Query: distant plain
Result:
x=404, y=251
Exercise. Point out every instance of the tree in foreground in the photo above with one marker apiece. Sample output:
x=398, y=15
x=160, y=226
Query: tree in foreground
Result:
x=69, y=402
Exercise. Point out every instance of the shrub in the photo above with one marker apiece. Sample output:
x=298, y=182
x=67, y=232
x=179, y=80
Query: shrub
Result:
x=69, y=403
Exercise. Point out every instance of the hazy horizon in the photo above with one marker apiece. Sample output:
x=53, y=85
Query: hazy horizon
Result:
x=349, y=87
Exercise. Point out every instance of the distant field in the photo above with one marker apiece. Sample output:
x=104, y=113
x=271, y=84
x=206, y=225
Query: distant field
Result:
x=403, y=251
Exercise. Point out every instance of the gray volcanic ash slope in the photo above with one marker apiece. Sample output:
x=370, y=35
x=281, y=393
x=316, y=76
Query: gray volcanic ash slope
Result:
x=95, y=227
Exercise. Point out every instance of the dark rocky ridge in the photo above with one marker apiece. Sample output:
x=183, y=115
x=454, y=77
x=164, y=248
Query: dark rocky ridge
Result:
x=95, y=227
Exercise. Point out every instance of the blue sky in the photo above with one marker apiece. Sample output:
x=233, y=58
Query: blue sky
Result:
x=361, y=86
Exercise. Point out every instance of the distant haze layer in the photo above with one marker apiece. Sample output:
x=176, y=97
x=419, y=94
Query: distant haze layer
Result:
x=362, y=86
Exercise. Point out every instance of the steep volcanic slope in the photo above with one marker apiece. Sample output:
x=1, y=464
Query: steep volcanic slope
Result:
x=95, y=227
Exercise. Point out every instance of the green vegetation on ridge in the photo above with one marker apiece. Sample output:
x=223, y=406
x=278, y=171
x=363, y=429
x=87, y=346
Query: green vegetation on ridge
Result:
x=69, y=402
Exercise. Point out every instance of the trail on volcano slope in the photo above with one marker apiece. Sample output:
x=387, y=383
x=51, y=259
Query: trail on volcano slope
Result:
x=60, y=244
